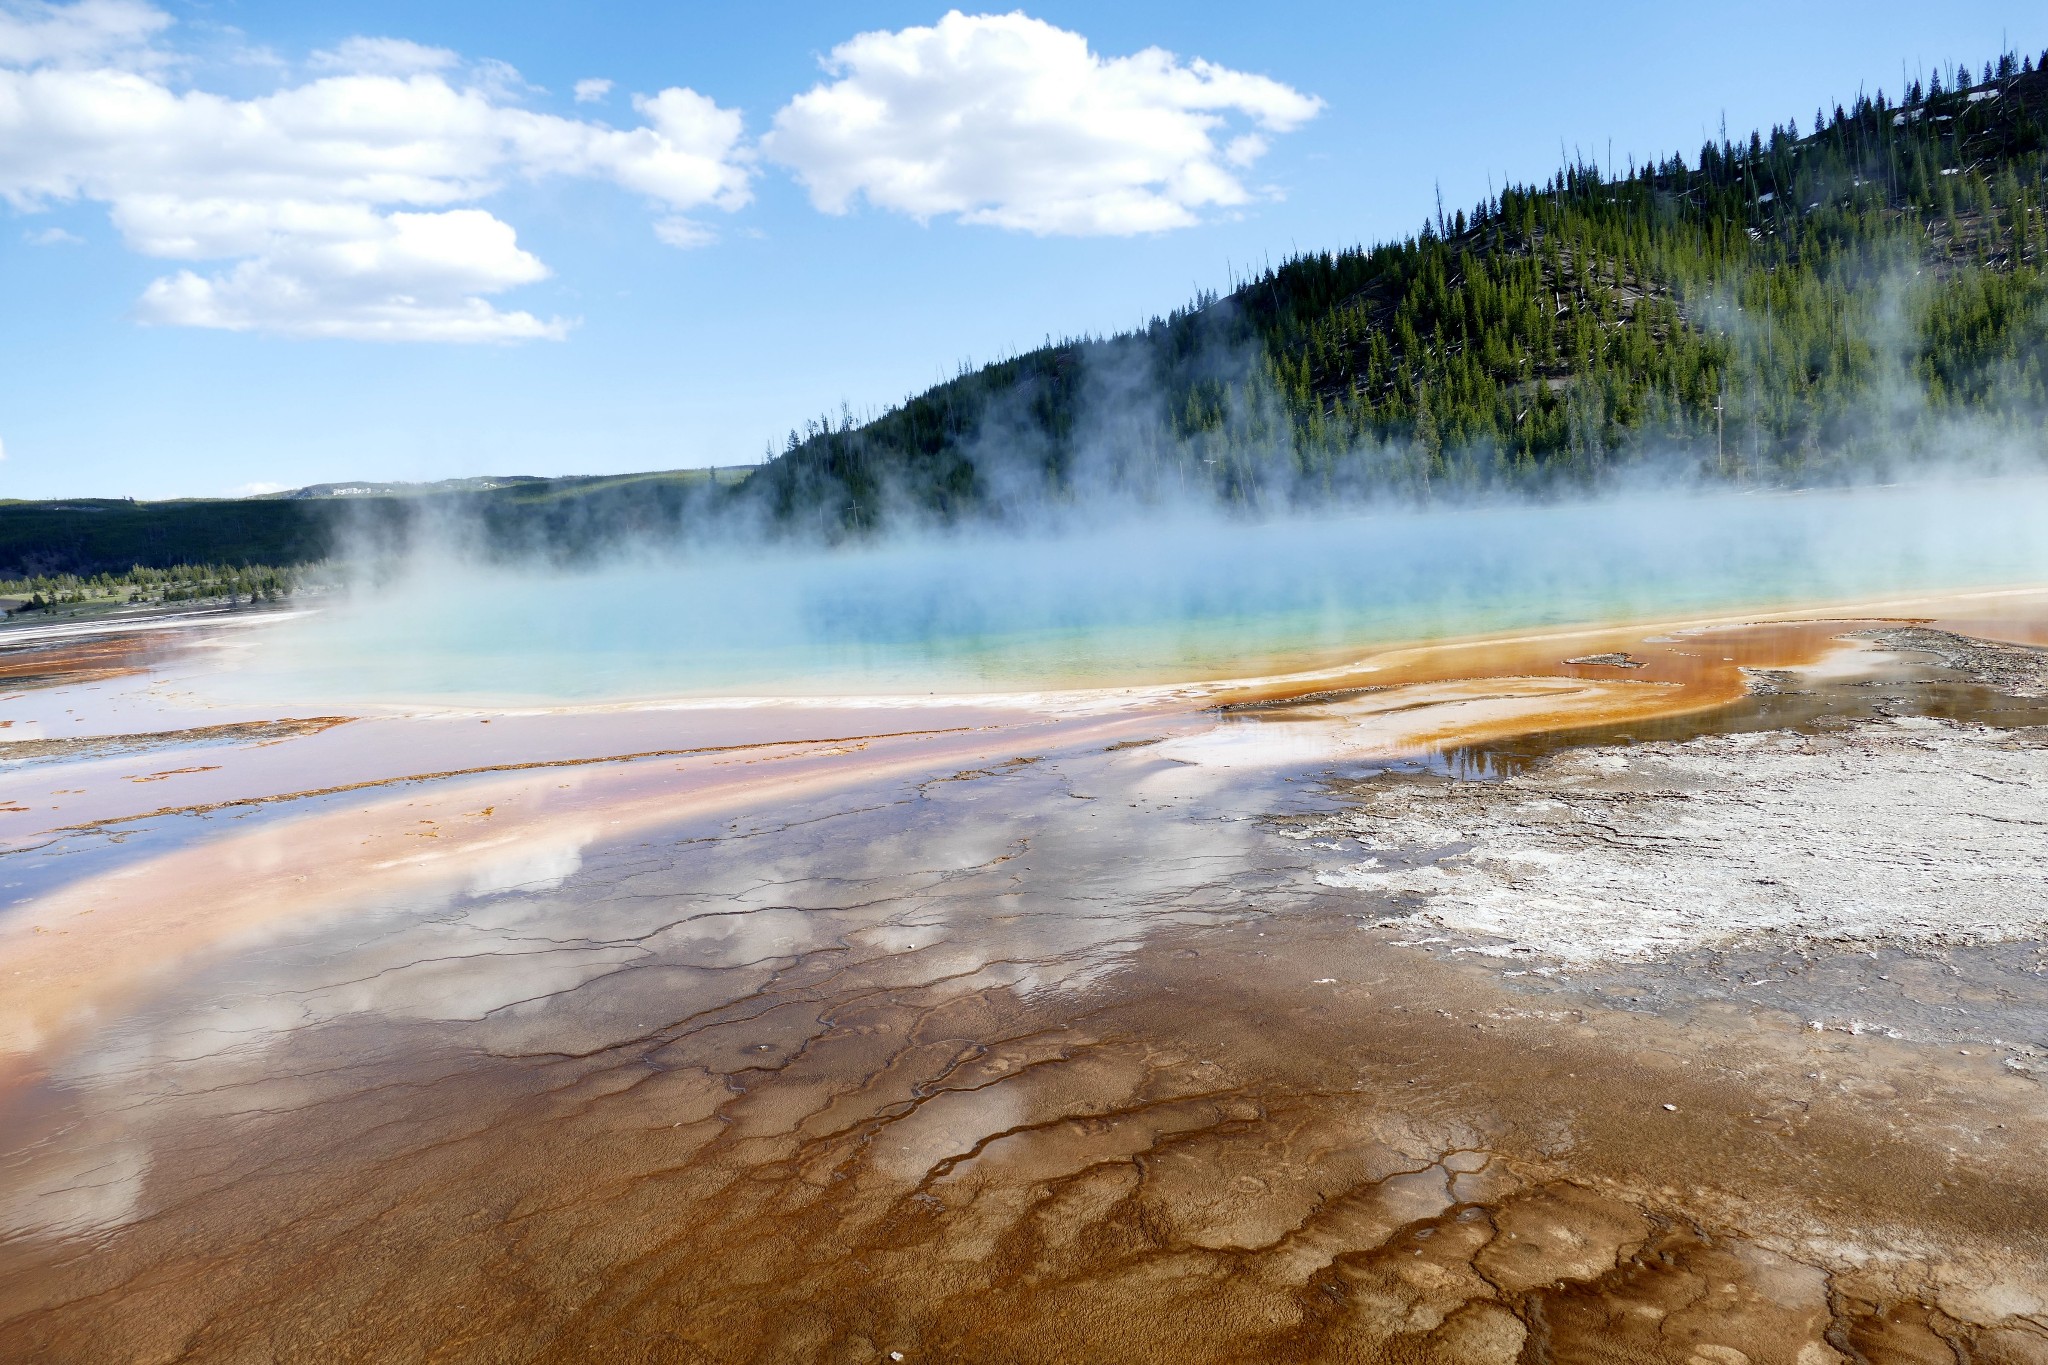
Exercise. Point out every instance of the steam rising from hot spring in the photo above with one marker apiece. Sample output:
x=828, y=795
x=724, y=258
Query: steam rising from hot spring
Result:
x=1142, y=600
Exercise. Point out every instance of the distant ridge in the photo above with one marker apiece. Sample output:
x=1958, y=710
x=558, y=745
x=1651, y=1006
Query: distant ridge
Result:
x=481, y=484
x=523, y=485
x=566, y=516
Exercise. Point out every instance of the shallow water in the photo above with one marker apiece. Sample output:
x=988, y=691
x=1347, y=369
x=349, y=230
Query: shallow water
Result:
x=1145, y=602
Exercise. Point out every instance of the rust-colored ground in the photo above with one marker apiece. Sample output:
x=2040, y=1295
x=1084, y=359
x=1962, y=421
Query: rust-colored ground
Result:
x=1306, y=1146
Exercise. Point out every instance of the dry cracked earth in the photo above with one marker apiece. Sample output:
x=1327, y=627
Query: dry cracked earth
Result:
x=1094, y=1056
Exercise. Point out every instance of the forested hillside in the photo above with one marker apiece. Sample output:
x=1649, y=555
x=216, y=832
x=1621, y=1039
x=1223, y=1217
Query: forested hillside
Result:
x=1812, y=303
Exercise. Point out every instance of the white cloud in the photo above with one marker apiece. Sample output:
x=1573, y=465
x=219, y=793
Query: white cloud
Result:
x=257, y=489
x=395, y=277
x=1009, y=121
x=87, y=31
x=499, y=81
x=3, y=450
x=593, y=90
x=383, y=57
x=1246, y=149
x=52, y=236
x=684, y=233
x=345, y=206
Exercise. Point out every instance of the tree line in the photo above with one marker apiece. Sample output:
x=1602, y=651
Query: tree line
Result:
x=232, y=584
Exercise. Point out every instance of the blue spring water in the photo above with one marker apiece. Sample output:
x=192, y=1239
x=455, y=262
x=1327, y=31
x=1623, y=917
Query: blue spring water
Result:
x=1144, y=600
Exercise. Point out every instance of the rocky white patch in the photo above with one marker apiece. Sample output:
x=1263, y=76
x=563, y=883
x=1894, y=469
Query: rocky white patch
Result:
x=1915, y=831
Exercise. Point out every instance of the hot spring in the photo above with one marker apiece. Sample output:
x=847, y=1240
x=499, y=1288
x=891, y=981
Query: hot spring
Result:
x=1158, y=600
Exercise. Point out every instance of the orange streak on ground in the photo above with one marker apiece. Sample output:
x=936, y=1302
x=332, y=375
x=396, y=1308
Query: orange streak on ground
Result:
x=1708, y=656
x=1436, y=696
x=71, y=661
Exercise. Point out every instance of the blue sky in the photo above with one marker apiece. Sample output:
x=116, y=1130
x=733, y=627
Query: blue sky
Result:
x=216, y=208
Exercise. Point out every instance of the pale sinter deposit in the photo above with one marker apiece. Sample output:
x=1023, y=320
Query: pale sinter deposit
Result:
x=1911, y=831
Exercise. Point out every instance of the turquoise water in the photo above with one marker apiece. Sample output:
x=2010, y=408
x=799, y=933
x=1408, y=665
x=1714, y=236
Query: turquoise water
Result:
x=1148, y=600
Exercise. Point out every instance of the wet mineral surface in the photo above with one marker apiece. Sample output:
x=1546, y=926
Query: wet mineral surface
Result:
x=1089, y=1049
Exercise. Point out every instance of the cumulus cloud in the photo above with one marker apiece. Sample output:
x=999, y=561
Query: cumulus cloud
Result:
x=593, y=90
x=1010, y=121
x=343, y=206
x=396, y=276
x=52, y=236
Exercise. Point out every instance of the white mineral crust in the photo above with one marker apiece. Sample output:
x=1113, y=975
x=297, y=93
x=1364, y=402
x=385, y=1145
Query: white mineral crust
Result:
x=1914, y=832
